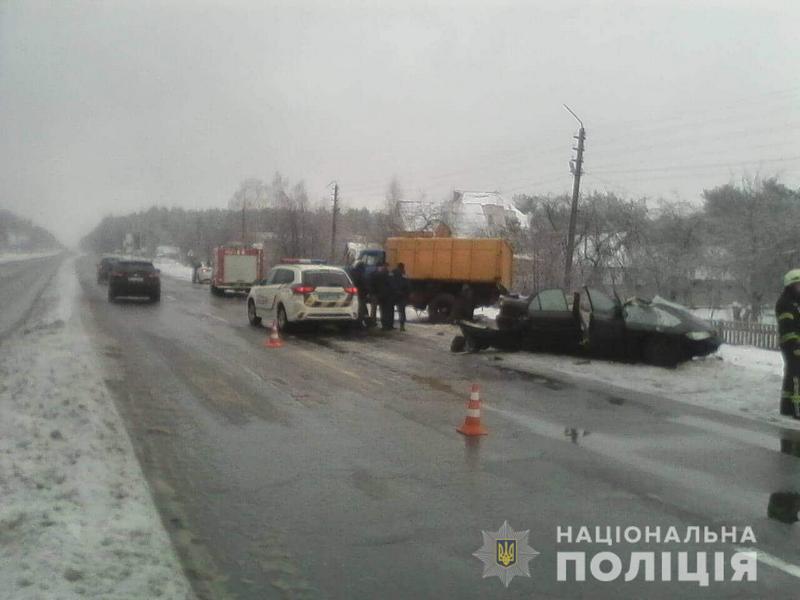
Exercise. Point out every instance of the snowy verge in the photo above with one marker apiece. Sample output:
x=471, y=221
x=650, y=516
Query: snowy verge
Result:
x=76, y=517
x=740, y=380
x=17, y=256
x=173, y=268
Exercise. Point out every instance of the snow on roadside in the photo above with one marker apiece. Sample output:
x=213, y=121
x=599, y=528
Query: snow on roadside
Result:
x=173, y=268
x=17, y=256
x=740, y=380
x=76, y=517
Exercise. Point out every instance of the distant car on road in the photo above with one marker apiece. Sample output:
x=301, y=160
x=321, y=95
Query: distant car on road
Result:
x=655, y=331
x=134, y=278
x=104, y=268
x=303, y=293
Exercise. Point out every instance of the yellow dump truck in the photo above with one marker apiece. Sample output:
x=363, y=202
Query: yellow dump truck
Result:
x=449, y=276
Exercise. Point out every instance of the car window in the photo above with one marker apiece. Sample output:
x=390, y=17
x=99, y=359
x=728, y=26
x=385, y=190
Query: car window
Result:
x=649, y=317
x=271, y=277
x=127, y=267
x=370, y=260
x=550, y=300
x=326, y=278
x=284, y=276
x=601, y=303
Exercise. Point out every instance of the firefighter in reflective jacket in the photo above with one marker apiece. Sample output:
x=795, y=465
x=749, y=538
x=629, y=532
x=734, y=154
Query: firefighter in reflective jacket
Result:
x=787, y=311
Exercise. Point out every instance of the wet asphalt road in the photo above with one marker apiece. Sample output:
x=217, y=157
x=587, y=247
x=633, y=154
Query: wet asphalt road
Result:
x=331, y=468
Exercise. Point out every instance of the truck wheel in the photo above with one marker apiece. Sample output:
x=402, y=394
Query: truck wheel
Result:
x=216, y=291
x=111, y=296
x=251, y=314
x=440, y=308
x=156, y=297
x=458, y=344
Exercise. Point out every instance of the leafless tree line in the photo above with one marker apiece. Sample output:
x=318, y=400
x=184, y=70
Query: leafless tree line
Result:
x=734, y=246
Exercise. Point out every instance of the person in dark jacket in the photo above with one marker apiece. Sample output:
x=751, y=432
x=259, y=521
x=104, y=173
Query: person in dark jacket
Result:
x=401, y=289
x=382, y=290
x=359, y=277
x=787, y=312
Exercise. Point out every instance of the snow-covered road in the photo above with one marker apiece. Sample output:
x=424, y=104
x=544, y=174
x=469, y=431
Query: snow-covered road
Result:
x=76, y=517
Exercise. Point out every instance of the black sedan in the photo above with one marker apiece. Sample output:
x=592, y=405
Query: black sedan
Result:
x=655, y=331
x=134, y=278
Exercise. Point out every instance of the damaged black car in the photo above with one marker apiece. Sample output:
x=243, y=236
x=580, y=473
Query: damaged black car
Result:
x=657, y=331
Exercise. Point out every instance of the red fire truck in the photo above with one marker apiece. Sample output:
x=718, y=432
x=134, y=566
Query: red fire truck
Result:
x=236, y=268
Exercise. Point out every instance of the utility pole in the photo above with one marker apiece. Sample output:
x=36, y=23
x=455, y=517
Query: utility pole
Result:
x=244, y=205
x=333, y=223
x=576, y=166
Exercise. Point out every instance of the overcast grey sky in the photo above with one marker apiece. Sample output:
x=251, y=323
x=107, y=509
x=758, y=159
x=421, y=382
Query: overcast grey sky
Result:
x=109, y=107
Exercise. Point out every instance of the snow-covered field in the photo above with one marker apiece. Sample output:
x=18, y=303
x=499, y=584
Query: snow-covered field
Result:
x=76, y=516
x=17, y=256
x=173, y=268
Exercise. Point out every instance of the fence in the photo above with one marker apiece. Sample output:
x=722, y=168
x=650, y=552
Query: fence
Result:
x=746, y=333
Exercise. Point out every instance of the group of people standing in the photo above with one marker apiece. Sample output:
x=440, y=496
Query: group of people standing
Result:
x=383, y=290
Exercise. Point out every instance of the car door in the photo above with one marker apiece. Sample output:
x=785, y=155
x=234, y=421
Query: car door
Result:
x=283, y=286
x=552, y=325
x=284, y=277
x=263, y=293
x=607, y=336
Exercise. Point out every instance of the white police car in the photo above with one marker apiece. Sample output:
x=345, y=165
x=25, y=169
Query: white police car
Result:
x=303, y=291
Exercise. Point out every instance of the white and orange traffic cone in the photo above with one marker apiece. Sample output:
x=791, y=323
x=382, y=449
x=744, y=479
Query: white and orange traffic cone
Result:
x=274, y=340
x=472, y=423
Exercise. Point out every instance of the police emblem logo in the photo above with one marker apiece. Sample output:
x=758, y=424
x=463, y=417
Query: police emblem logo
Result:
x=505, y=553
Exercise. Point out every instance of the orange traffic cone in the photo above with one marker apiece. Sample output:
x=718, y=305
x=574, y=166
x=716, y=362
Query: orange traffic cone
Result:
x=274, y=340
x=472, y=424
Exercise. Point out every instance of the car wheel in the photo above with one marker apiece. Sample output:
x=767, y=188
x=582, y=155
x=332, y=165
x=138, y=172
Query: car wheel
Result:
x=440, y=308
x=472, y=345
x=251, y=314
x=458, y=344
x=662, y=352
x=283, y=320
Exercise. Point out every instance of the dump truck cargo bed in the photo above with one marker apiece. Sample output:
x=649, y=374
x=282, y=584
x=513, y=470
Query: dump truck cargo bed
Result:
x=453, y=259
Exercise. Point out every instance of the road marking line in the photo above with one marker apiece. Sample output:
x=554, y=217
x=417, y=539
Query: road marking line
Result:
x=251, y=372
x=330, y=365
x=773, y=561
x=217, y=318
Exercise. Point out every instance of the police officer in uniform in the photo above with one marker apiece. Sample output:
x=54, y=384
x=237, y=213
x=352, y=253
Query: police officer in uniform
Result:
x=787, y=312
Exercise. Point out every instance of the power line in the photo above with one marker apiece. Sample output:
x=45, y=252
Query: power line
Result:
x=731, y=163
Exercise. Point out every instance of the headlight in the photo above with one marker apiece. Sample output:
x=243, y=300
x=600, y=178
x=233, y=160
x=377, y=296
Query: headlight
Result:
x=698, y=335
